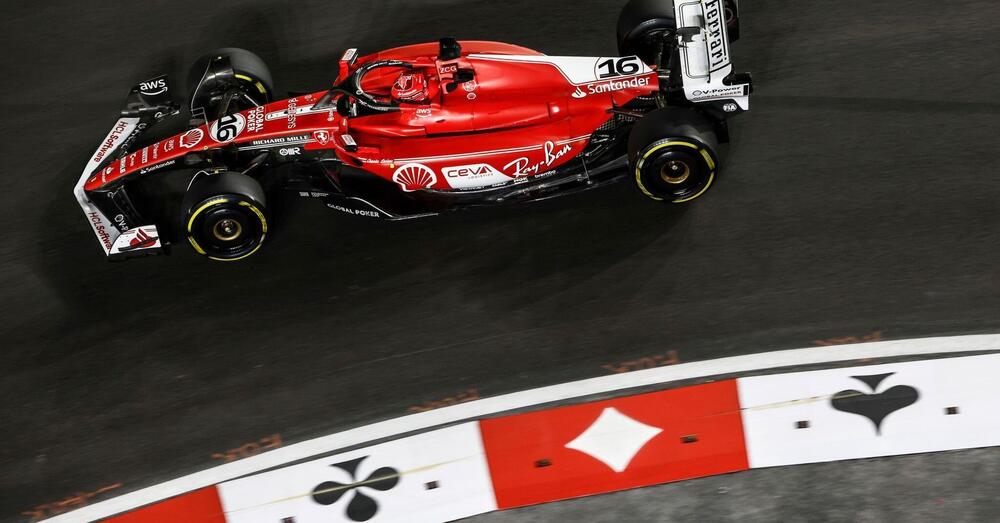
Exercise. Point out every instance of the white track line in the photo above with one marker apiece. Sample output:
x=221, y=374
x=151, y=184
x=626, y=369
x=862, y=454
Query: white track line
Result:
x=489, y=406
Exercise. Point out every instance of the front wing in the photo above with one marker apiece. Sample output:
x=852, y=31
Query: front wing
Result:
x=116, y=235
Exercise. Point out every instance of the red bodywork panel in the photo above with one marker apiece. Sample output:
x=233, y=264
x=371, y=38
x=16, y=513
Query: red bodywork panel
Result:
x=524, y=114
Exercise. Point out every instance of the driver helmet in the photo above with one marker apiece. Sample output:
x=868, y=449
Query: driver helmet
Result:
x=410, y=88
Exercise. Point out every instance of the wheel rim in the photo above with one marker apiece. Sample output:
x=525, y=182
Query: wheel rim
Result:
x=675, y=172
x=227, y=230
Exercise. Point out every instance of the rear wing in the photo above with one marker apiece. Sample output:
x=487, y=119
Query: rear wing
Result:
x=703, y=43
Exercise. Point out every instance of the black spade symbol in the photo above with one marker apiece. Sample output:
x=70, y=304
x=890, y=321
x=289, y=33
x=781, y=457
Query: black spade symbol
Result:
x=361, y=507
x=875, y=406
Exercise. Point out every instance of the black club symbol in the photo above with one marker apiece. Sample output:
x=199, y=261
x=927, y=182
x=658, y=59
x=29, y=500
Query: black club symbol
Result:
x=361, y=507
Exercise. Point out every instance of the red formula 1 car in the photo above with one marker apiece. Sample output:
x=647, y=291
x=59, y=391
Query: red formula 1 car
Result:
x=418, y=130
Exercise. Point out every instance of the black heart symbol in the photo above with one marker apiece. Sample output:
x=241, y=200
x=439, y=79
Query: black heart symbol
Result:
x=875, y=407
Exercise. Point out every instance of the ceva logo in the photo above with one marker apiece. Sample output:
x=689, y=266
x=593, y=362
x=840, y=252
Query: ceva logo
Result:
x=470, y=171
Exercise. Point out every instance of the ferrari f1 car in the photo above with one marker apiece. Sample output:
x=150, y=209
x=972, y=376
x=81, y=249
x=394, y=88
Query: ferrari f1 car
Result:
x=417, y=131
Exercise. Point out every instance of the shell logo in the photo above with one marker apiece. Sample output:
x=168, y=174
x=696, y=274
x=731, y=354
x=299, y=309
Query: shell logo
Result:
x=192, y=138
x=414, y=176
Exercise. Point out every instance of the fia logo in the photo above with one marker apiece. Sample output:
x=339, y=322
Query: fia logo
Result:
x=154, y=87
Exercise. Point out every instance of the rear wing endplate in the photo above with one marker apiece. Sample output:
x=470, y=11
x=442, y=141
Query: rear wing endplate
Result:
x=704, y=48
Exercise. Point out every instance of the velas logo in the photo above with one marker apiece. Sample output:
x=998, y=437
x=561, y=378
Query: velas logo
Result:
x=361, y=505
x=142, y=240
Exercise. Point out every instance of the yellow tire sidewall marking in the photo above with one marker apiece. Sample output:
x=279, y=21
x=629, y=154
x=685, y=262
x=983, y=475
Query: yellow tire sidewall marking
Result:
x=216, y=201
x=705, y=154
x=245, y=78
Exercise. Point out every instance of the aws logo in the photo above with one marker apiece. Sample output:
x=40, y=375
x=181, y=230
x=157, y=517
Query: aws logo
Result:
x=154, y=87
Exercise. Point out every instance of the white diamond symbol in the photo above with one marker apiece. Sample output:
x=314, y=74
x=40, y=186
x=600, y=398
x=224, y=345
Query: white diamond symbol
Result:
x=614, y=439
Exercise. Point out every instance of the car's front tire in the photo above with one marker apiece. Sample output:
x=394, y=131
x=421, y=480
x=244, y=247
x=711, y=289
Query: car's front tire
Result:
x=250, y=75
x=225, y=216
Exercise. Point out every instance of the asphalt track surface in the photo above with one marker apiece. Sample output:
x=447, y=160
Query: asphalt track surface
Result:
x=859, y=195
x=918, y=488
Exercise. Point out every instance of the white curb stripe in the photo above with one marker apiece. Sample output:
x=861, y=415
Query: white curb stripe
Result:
x=841, y=418
x=489, y=406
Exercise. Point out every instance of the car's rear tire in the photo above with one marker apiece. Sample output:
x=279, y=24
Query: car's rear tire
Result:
x=252, y=77
x=673, y=155
x=642, y=25
x=732, y=8
x=225, y=216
